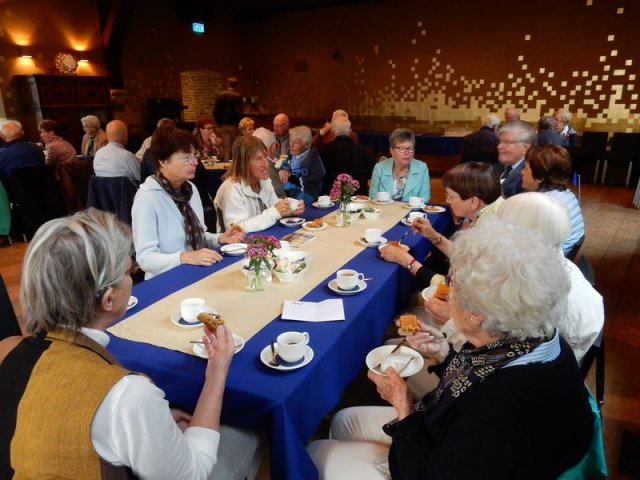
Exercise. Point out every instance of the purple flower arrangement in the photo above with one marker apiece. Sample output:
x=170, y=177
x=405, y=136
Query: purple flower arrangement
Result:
x=344, y=186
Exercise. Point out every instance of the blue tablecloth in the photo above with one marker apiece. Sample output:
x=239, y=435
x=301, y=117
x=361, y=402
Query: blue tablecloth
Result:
x=425, y=144
x=287, y=405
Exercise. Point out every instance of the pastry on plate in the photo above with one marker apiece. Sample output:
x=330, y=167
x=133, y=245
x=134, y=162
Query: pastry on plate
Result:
x=317, y=223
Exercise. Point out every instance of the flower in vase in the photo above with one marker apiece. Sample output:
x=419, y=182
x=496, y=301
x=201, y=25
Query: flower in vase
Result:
x=344, y=186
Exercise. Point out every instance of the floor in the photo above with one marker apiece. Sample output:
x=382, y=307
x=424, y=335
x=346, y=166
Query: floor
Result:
x=613, y=246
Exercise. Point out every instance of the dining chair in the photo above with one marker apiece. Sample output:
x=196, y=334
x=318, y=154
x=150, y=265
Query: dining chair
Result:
x=625, y=150
x=112, y=194
x=37, y=198
x=596, y=144
x=9, y=325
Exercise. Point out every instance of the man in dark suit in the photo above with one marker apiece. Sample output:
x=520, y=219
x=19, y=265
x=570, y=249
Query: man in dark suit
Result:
x=482, y=143
x=547, y=134
x=227, y=112
x=16, y=152
x=516, y=138
x=343, y=155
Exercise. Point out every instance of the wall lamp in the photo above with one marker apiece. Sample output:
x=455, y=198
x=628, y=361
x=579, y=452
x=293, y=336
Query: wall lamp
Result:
x=24, y=52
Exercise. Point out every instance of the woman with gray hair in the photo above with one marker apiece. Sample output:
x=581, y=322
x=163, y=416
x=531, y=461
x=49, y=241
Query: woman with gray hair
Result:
x=401, y=175
x=302, y=173
x=562, y=118
x=491, y=414
x=69, y=409
x=94, y=137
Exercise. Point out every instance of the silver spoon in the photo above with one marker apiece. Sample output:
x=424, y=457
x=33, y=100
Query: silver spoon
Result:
x=274, y=360
x=402, y=236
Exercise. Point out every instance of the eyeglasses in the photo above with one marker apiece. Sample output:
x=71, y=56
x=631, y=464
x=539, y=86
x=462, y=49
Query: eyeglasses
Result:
x=509, y=142
x=405, y=149
x=187, y=158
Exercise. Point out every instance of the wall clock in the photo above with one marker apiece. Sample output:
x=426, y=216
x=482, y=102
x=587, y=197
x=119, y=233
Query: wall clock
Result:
x=66, y=63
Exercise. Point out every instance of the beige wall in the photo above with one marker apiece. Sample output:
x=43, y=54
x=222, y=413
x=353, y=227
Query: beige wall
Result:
x=421, y=63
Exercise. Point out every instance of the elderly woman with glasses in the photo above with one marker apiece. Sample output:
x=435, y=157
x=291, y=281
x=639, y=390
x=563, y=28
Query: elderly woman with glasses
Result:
x=402, y=176
x=209, y=144
x=94, y=137
x=69, y=409
x=246, y=197
x=167, y=214
x=473, y=193
x=510, y=404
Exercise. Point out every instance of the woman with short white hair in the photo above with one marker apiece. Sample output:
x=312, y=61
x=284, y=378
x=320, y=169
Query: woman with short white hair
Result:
x=94, y=137
x=69, y=409
x=510, y=404
x=562, y=118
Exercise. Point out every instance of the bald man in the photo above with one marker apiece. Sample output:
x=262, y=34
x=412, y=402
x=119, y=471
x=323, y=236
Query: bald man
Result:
x=16, y=152
x=281, y=131
x=113, y=160
x=511, y=114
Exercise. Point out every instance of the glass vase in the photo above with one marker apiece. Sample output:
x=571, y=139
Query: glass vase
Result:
x=343, y=217
x=259, y=280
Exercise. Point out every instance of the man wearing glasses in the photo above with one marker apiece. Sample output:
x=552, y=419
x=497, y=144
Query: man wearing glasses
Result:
x=516, y=137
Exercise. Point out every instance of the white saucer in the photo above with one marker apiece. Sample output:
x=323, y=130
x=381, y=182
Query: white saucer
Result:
x=324, y=225
x=402, y=246
x=433, y=209
x=380, y=202
x=333, y=286
x=234, y=249
x=199, y=350
x=266, y=357
x=355, y=199
x=133, y=301
x=292, y=221
x=375, y=356
x=317, y=205
x=406, y=205
x=363, y=241
x=177, y=320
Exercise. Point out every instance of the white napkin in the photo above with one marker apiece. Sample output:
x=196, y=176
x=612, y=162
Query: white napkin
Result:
x=325, y=311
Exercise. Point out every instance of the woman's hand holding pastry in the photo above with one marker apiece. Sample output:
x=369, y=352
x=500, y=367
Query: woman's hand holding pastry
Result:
x=220, y=349
x=203, y=257
x=393, y=253
x=423, y=226
x=232, y=236
x=429, y=342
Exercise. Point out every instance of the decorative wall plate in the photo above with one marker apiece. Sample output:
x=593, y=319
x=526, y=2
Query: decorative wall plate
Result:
x=66, y=63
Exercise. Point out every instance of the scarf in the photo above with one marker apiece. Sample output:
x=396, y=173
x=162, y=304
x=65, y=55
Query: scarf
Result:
x=193, y=231
x=465, y=369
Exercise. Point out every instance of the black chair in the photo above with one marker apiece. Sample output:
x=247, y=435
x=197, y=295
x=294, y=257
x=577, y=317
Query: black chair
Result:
x=596, y=144
x=37, y=198
x=573, y=253
x=112, y=194
x=596, y=352
x=625, y=151
x=9, y=325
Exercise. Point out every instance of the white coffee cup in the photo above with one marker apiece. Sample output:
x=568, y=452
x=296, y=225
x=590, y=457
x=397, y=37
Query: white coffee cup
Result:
x=324, y=200
x=415, y=202
x=293, y=204
x=292, y=345
x=373, y=235
x=284, y=248
x=414, y=215
x=189, y=308
x=383, y=196
x=348, y=279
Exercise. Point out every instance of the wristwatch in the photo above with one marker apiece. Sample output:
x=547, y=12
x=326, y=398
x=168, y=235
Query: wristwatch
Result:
x=409, y=265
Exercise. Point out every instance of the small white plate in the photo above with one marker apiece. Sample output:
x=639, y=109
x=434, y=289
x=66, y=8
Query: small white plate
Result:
x=433, y=209
x=360, y=199
x=133, y=301
x=234, y=249
x=427, y=293
x=363, y=241
x=402, y=246
x=311, y=229
x=266, y=357
x=292, y=221
x=199, y=350
x=375, y=356
x=177, y=320
x=333, y=286
x=380, y=202
x=322, y=207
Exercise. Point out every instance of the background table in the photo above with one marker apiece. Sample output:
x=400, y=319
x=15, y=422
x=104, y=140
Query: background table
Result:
x=287, y=405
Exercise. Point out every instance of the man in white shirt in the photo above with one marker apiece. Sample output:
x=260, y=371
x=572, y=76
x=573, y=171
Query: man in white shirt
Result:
x=113, y=160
